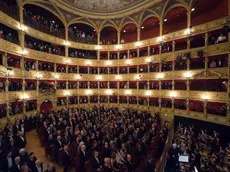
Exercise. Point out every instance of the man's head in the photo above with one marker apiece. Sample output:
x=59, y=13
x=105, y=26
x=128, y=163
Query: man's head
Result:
x=38, y=163
x=83, y=147
x=129, y=157
x=17, y=160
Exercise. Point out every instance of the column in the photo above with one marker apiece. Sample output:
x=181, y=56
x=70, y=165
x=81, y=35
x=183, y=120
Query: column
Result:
x=161, y=27
x=173, y=84
x=21, y=37
x=205, y=108
x=66, y=46
x=173, y=101
x=20, y=12
x=118, y=37
x=138, y=34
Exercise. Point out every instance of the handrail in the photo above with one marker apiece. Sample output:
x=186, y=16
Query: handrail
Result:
x=162, y=162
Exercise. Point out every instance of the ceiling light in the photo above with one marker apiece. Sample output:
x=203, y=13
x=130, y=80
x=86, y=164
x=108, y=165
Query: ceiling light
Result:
x=75, y=27
x=98, y=77
x=193, y=9
x=108, y=63
x=187, y=75
x=88, y=63
x=124, y=31
x=56, y=76
x=165, y=20
x=137, y=44
x=94, y=30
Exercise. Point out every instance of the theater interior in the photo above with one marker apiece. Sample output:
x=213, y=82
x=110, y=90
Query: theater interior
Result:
x=114, y=85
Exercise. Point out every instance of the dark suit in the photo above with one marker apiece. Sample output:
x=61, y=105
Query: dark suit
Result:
x=24, y=158
x=36, y=168
x=83, y=159
x=149, y=166
x=6, y=164
x=65, y=161
x=129, y=166
x=21, y=143
x=95, y=164
x=15, y=168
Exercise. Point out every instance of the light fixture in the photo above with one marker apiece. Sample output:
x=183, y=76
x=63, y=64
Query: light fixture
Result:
x=160, y=75
x=142, y=27
x=148, y=93
x=172, y=94
x=128, y=62
x=165, y=20
x=205, y=97
x=99, y=77
x=88, y=63
x=187, y=31
x=98, y=47
x=24, y=52
x=124, y=31
x=94, y=30
x=10, y=73
x=108, y=63
x=118, y=77
x=25, y=96
x=109, y=92
x=187, y=75
x=138, y=44
x=23, y=28
x=138, y=77
x=160, y=39
x=78, y=77
x=56, y=77
x=67, y=61
x=67, y=93
x=193, y=9
x=39, y=75
x=67, y=43
x=127, y=92
x=89, y=92
x=148, y=60
x=118, y=47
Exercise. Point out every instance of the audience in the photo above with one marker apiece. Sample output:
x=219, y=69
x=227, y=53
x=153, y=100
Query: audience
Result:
x=9, y=35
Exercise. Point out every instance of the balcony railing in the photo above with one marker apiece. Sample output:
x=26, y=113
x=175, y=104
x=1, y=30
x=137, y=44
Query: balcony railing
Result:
x=9, y=9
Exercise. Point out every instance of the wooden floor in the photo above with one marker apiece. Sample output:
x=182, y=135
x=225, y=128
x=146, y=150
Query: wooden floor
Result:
x=33, y=145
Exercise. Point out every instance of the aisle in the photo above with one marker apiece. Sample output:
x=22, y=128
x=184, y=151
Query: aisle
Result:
x=33, y=145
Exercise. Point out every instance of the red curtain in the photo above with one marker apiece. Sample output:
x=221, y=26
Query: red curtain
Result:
x=46, y=106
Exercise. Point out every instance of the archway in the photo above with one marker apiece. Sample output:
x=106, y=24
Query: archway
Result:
x=129, y=33
x=46, y=106
x=108, y=35
x=150, y=28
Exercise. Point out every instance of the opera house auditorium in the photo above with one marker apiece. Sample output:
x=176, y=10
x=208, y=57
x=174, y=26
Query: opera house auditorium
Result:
x=114, y=85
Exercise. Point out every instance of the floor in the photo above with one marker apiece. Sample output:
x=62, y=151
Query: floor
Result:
x=33, y=145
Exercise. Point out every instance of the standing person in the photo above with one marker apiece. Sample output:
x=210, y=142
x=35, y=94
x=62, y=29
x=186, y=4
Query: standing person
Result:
x=83, y=158
x=96, y=165
x=66, y=159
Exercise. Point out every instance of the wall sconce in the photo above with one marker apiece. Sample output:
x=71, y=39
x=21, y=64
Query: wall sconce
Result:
x=67, y=43
x=24, y=52
x=128, y=62
x=88, y=63
x=109, y=92
x=118, y=47
x=9, y=72
x=138, y=44
x=98, y=47
x=205, y=97
x=39, y=76
x=172, y=94
x=160, y=39
x=78, y=77
x=25, y=96
x=118, y=77
x=89, y=92
x=128, y=92
x=188, y=31
x=138, y=77
x=56, y=77
x=187, y=75
x=67, y=61
x=99, y=77
x=23, y=28
x=67, y=93
x=148, y=93
x=160, y=75
x=149, y=60
x=108, y=63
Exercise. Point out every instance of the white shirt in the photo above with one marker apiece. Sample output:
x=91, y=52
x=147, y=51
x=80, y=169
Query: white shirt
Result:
x=39, y=168
x=10, y=162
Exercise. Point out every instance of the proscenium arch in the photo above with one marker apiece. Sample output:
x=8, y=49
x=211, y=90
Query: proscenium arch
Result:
x=33, y=2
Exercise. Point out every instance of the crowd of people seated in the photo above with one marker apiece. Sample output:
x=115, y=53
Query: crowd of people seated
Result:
x=46, y=67
x=13, y=155
x=102, y=139
x=46, y=87
x=83, y=85
x=13, y=62
x=72, y=69
x=30, y=65
x=42, y=23
x=203, y=149
x=44, y=47
x=217, y=63
x=93, y=70
x=77, y=35
x=72, y=85
x=77, y=53
x=30, y=86
x=104, y=42
x=215, y=40
x=166, y=66
x=9, y=36
x=30, y=106
x=61, y=102
x=2, y=86
x=166, y=86
x=61, y=69
x=15, y=108
x=61, y=85
x=15, y=86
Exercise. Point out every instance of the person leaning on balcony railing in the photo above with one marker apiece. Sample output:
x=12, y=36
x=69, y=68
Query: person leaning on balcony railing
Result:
x=221, y=38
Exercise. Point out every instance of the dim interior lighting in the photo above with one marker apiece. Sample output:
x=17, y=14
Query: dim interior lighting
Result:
x=187, y=75
x=108, y=63
x=118, y=47
x=118, y=77
x=142, y=27
x=160, y=39
x=67, y=93
x=148, y=93
x=99, y=77
x=193, y=9
x=67, y=43
x=172, y=94
x=138, y=44
x=165, y=20
x=124, y=31
x=128, y=62
x=127, y=92
x=24, y=52
x=67, y=61
x=78, y=77
x=109, y=92
x=148, y=60
x=56, y=76
x=25, y=96
x=89, y=92
x=205, y=97
x=39, y=75
x=98, y=47
x=160, y=75
x=88, y=63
